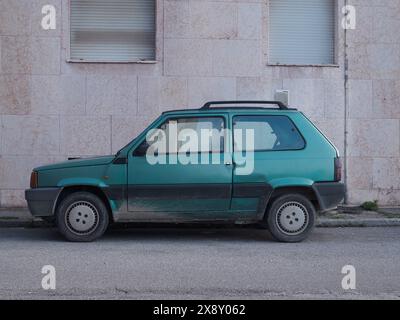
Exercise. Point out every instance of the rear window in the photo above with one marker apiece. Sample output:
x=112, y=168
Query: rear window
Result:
x=271, y=133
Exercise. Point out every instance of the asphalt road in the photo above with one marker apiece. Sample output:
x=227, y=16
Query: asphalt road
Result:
x=179, y=263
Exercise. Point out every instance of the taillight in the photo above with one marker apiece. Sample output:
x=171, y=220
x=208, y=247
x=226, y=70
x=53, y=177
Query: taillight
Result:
x=338, y=169
x=34, y=179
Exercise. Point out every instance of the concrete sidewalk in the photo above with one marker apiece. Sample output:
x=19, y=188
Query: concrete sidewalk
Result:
x=356, y=217
x=19, y=217
x=345, y=216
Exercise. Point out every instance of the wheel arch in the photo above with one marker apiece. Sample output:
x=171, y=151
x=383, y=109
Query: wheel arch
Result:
x=306, y=191
x=67, y=190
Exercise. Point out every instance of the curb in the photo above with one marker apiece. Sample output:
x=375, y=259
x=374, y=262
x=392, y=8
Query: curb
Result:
x=337, y=223
x=35, y=223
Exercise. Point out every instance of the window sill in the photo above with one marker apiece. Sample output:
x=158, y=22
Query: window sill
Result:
x=112, y=62
x=303, y=65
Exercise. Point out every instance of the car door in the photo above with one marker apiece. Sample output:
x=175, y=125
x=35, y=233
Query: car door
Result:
x=271, y=153
x=183, y=177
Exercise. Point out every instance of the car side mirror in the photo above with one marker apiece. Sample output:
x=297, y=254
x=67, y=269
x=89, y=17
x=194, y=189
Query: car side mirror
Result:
x=141, y=150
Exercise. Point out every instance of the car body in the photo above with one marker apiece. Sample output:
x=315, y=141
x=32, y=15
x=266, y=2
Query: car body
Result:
x=295, y=171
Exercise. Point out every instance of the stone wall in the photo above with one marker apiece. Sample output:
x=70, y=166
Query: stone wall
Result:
x=51, y=109
x=374, y=103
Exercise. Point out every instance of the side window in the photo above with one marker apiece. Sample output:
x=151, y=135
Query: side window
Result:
x=202, y=134
x=209, y=131
x=271, y=133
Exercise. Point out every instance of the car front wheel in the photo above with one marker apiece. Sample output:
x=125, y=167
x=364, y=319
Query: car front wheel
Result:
x=82, y=217
x=291, y=218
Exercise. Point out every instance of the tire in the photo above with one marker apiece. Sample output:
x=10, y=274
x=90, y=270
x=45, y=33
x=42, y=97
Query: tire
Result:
x=82, y=217
x=291, y=218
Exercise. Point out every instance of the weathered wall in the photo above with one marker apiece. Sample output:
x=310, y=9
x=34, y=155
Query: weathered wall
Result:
x=51, y=109
x=374, y=102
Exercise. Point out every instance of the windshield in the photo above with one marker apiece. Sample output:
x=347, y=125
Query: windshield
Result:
x=119, y=151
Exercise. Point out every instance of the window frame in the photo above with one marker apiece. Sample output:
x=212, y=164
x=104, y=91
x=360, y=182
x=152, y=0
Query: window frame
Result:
x=336, y=36
x=266, y=150
x=157, y=23
x=191, y=117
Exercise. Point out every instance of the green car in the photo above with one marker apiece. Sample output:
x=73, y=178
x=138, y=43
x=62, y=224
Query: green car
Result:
x=241, y=162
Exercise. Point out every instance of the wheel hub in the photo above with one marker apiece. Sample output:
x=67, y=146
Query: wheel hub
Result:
x=292, y=218
x=82, y=217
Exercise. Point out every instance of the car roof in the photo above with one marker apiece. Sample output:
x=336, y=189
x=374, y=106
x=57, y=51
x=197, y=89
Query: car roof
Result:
x=228, y=109
x=232, y=106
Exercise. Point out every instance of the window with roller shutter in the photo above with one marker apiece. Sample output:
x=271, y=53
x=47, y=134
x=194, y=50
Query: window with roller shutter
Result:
x=112, y=31
x=302, y=32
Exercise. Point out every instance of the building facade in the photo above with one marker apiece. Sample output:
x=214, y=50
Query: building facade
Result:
x=63, y=93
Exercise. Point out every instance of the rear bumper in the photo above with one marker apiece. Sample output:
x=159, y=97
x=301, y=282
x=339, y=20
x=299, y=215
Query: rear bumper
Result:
x=329, y=194
x=41, y=201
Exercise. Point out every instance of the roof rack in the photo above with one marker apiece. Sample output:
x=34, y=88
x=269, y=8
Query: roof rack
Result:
x=278, y=103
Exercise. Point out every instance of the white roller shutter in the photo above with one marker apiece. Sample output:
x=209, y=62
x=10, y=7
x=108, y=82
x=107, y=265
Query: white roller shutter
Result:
x=302, y=32
x=112, y=30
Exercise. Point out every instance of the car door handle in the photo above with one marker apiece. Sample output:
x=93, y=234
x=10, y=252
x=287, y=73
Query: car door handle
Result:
x=228, y=163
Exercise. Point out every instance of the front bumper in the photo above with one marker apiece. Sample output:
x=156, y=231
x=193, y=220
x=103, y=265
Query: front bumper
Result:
x=329, y=194
x=41, y=201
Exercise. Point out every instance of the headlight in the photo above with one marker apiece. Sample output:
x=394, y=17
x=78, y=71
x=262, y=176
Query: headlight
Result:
x=34, y=179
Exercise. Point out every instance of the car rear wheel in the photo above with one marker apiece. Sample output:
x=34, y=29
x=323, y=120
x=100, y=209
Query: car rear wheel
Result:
x=82, y=217
x=291, y=218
